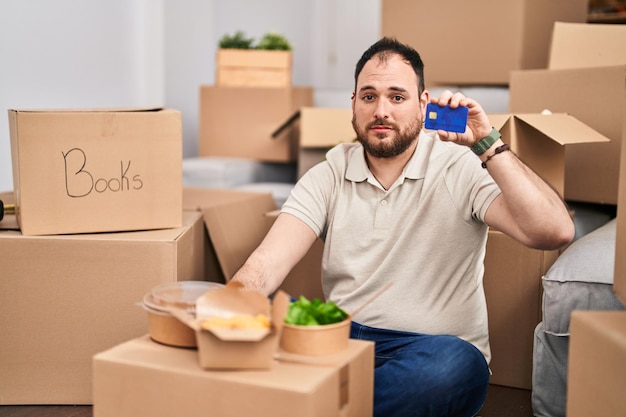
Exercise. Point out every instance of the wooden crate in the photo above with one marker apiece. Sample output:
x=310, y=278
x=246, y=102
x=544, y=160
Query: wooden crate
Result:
x=253, y=68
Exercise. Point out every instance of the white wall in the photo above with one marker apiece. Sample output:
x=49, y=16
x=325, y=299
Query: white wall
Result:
x=108, y=53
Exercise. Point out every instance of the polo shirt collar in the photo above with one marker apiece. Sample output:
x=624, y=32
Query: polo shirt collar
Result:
x=358, y=171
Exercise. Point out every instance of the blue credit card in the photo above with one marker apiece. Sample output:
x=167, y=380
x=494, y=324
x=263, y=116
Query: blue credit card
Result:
x=445, y=118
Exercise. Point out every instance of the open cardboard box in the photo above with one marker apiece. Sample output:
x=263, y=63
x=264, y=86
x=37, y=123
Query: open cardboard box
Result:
x=236, y=222
x=320, y=128
x=238, y=122
x=541, y=140
x=237, y=348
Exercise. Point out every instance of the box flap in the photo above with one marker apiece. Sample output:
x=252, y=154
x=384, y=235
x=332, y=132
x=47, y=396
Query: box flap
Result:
x=235, y=221
x=562, y=128
x=581, y=45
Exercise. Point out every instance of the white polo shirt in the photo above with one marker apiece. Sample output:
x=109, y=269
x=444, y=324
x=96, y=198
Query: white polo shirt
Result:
x=426, y=234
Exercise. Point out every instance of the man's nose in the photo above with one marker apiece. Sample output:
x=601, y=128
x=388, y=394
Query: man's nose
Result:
x=382, y=109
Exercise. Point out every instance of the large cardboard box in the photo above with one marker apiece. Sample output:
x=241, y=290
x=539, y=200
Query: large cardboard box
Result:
x=253, y=68
x=512, y=283
x=596, y=97
x=542, y=141
x=240, y=121
x=236, y=222
x=512, y=34
x=65, y=298
x=140, y=377
x=597, y=364
x=84, y=171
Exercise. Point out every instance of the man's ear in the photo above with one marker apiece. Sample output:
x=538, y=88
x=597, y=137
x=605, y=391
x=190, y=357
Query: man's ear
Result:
x=424, y=99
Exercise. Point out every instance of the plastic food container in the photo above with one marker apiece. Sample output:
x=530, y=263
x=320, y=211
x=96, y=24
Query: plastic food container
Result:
x=316, y=340
x=165, y=328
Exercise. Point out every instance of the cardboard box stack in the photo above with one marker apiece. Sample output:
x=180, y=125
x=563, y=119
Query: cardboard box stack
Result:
x=585, y=80
x=99, y=222
x=253, y=94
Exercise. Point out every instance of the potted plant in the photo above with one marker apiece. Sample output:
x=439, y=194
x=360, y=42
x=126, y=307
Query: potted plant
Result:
x=241, y=62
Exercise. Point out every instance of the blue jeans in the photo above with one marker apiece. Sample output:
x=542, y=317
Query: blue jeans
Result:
x=425, y=375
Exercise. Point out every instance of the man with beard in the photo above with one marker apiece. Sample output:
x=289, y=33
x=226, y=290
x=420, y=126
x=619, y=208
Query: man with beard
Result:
x=413, y=208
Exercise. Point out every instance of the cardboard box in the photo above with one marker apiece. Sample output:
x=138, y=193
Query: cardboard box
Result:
x=238, y=348
x=65, y=298
x=512, y=34
x=140, y=377
x=596, y=97
x=541, y=141
x=253, y=68
x=84, y=171
x=597, y=364
x=512, y=283
x=237, y=221
x=585, y=45
x=619, y=280
x=239, y=122
x=319, y=129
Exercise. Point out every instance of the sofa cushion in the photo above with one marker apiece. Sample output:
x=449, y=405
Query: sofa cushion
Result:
x=581, y=279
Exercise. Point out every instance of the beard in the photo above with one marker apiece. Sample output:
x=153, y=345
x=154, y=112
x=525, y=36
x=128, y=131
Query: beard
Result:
x=379, y=148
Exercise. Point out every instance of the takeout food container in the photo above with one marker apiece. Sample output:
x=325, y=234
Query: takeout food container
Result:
x=238, y=348
x=163, y=326
x=316, y=340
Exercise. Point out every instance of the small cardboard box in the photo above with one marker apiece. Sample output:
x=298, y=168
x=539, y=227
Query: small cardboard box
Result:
x=87, y=171
x=596, y=97
x=226, y=348
x=65, y=298
x=239, y=122
x=512, y=283
x=253, y=68
x=541, y=141
x=320, y=128
x=596, y=374
x=512, y=34
x=585, y=45
x=141, y=377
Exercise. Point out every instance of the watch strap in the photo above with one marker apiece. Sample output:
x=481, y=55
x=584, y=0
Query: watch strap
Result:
x=487, y=142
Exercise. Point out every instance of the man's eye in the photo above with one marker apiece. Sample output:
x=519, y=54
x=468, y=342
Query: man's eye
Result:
x=368, y=97
x=397, y=98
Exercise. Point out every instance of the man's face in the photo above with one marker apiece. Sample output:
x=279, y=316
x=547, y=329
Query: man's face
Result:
x=388, y=111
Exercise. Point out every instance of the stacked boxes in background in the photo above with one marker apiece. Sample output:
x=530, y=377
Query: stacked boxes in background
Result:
x=508, y=35
x=99, y=223
x=252, y=96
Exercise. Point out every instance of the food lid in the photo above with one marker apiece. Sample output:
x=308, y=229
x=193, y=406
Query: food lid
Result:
x=181, y=294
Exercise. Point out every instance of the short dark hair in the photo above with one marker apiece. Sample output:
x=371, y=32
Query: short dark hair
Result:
x=388, y=46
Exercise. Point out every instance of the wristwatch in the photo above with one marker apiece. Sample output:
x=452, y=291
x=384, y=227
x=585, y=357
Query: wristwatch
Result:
x=485, y=143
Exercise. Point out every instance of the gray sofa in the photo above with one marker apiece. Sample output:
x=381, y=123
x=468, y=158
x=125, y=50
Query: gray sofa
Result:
x=580, y=279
